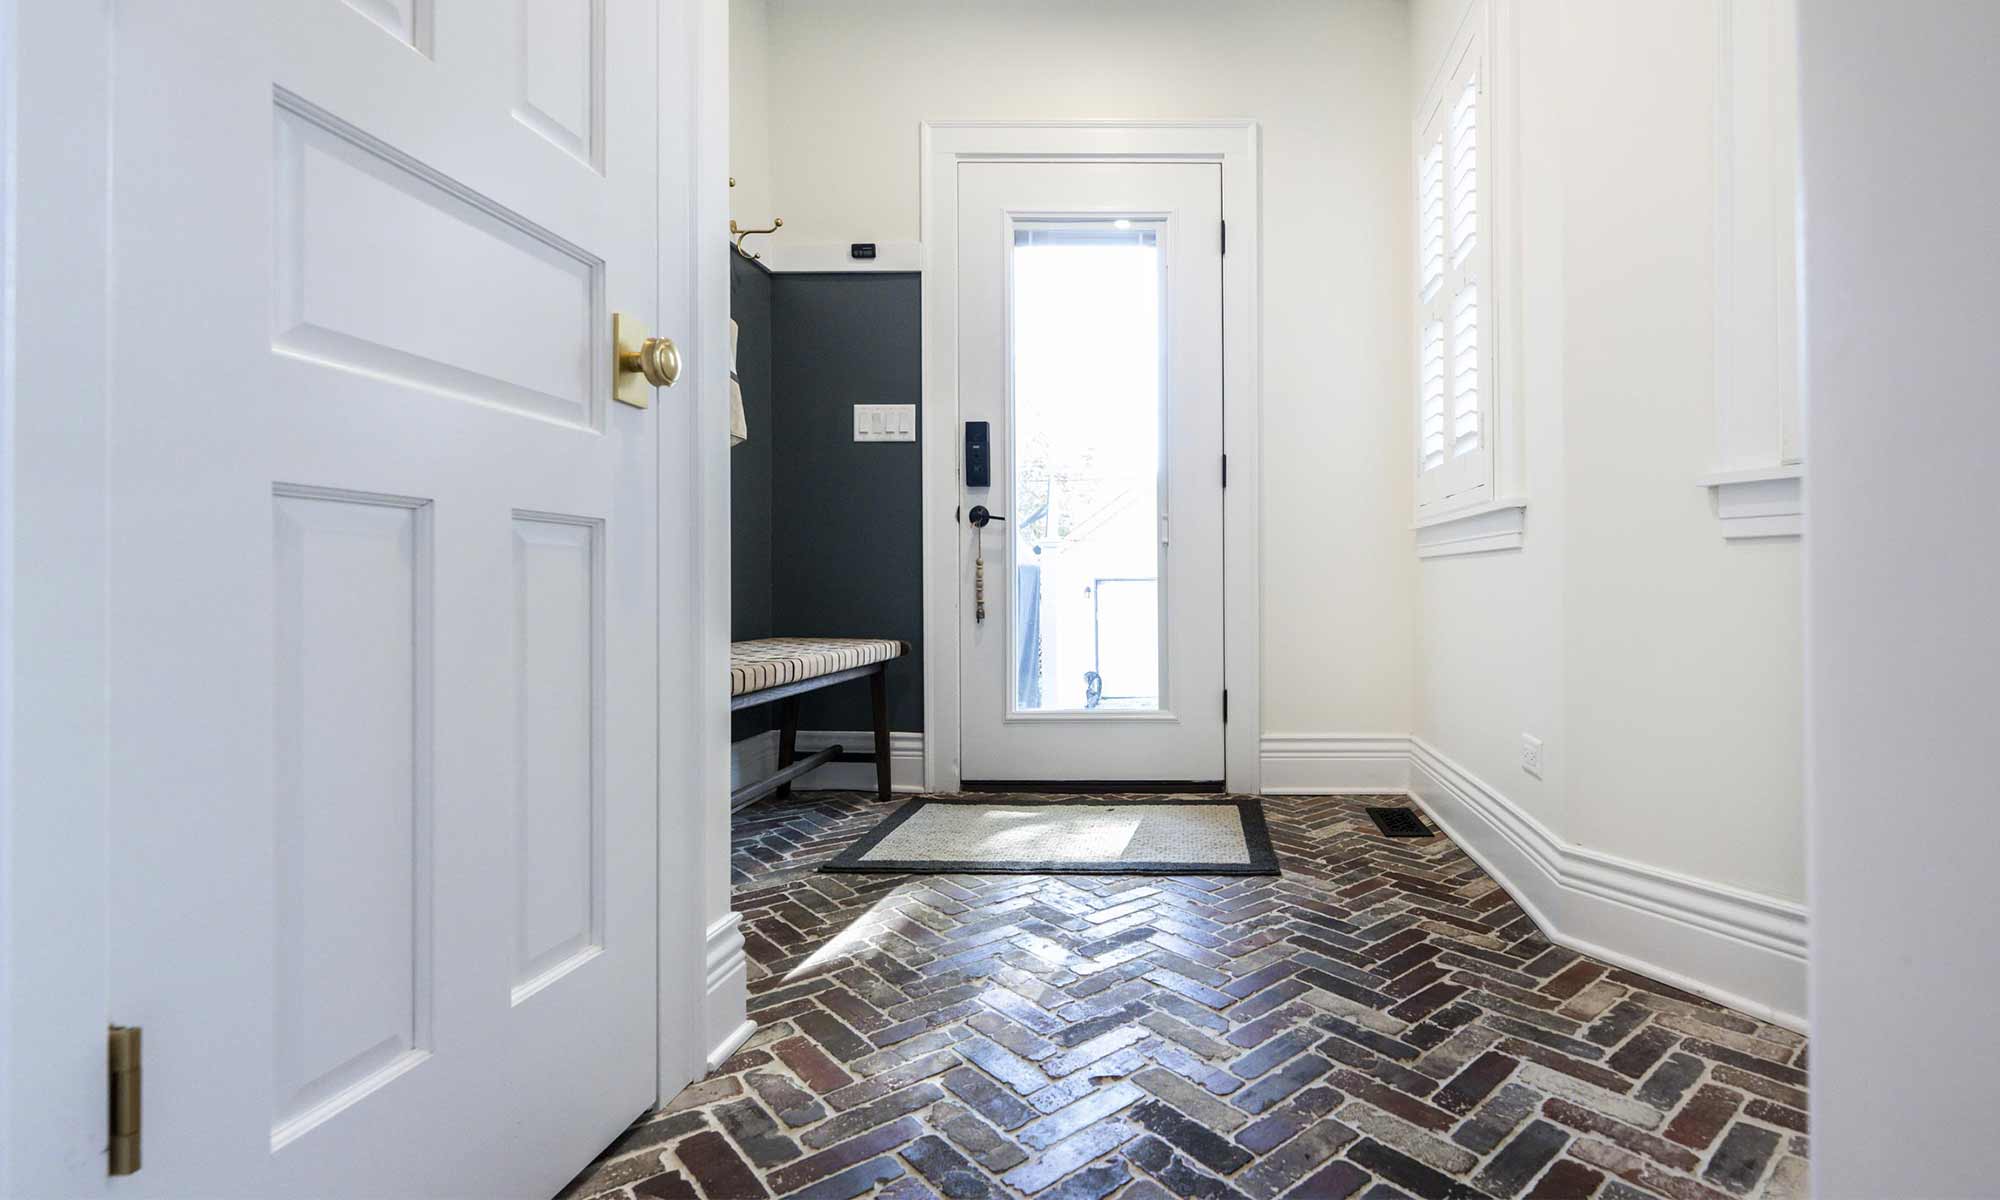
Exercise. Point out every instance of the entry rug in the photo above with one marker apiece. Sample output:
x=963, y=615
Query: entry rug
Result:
x=1087, y=835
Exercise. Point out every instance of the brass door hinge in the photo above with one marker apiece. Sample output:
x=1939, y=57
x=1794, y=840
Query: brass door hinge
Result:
x=124, y=1099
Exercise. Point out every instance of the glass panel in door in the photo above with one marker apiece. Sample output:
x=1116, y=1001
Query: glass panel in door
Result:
x=1088, y=408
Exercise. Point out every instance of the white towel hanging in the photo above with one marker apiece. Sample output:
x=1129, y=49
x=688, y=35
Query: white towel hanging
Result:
x=739, y=429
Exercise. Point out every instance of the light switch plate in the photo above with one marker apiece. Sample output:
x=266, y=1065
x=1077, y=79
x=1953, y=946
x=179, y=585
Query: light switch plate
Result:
x=885, y=422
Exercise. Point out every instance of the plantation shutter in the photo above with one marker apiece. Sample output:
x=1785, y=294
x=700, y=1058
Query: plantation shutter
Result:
x=1454, y=388
x=1431, y=416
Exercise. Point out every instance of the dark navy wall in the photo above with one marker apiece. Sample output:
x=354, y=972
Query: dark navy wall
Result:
x=847, y=545
x=750, y=466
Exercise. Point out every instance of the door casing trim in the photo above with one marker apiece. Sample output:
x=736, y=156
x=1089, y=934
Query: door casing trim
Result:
x=1233, y=145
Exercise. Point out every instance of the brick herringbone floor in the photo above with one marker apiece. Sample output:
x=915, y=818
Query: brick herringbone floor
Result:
x=1381, y=1021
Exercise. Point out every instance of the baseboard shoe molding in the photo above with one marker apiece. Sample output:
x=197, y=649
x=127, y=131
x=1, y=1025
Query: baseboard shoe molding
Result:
x=726, y=1001
x=728, y=1045
x=1342, y=764
x=1735, y=947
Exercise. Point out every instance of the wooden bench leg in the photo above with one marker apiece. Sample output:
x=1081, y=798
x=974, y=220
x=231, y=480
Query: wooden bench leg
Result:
x=878, y=695
x=788, y=738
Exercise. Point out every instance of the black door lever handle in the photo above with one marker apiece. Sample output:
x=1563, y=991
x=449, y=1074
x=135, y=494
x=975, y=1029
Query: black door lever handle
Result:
x=979, y=516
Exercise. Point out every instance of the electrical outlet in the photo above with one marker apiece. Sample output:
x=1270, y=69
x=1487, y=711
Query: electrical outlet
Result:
x=1531, y=754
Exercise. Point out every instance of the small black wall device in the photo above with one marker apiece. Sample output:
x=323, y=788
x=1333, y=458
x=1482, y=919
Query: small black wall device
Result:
x=978, y=456
x=861, y=250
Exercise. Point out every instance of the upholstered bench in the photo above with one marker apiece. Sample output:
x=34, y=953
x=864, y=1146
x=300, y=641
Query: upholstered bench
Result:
x=780, y=670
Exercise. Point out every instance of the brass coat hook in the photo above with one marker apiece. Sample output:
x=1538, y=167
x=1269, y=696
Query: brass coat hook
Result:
x=777, y=223
x=739, y=233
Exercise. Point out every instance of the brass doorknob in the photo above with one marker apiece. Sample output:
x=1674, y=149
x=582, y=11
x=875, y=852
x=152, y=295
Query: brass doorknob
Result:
x=636, y=358
x=657, y=358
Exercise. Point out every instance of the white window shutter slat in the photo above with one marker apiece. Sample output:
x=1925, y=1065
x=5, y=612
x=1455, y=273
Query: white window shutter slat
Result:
x=1465, y=425
x=1431, y=392
x=1430, y=222
x=1464, y=186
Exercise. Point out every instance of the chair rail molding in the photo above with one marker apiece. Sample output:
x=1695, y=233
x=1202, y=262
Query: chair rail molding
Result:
x=1734, y=946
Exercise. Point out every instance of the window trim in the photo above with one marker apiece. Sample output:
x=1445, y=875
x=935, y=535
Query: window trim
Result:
x=1461, y=480
x=1485, y=43
x=1757, y=477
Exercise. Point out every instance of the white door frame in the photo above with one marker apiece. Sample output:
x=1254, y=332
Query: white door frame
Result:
x=1233, y=144
x=55, y=101
x=54, y=741
x=723, y=988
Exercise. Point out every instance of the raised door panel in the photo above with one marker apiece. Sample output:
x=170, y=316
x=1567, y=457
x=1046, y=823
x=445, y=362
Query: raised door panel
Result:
x=352, y=799
x=558, y=745
x=408, y=21
x=561, y=81
x=387, y=268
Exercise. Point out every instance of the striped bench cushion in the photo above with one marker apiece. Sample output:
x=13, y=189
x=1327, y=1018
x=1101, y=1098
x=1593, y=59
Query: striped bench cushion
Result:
x=771, y=662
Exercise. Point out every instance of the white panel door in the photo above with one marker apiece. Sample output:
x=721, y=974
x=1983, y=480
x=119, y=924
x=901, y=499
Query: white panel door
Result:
x=384, y=663
x=1090, y=341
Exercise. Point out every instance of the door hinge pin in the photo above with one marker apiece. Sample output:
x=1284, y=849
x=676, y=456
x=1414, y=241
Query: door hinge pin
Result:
x=1225, y=470
x=125, y=1088
x=1225, y=237
x=1225, y=706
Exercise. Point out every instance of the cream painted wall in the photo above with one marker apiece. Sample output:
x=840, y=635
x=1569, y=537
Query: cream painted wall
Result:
x=847, y=84
x=749, y=120
x=1627, y=631
x=1660, y=664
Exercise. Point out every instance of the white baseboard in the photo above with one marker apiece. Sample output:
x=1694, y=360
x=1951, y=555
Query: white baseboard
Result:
x=727, y=999
x=1340, y=764
x=753, y=758
x=906, y=761
x=1735, y=947
x=756, y=757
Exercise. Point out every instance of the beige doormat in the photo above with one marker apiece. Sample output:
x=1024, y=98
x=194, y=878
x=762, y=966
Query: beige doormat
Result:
x=1153, y=835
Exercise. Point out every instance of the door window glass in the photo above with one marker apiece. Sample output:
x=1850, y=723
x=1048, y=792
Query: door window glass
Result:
x=1088, y=406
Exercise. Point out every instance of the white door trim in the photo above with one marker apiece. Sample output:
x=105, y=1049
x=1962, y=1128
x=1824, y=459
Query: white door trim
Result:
x=723, y=985
x=54, y=575
x=695, y=990
x=54, y=918
x=1234, y=145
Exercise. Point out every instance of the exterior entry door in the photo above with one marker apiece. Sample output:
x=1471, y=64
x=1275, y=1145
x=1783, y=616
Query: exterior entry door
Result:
x=383, y=646
x=1090, y=343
